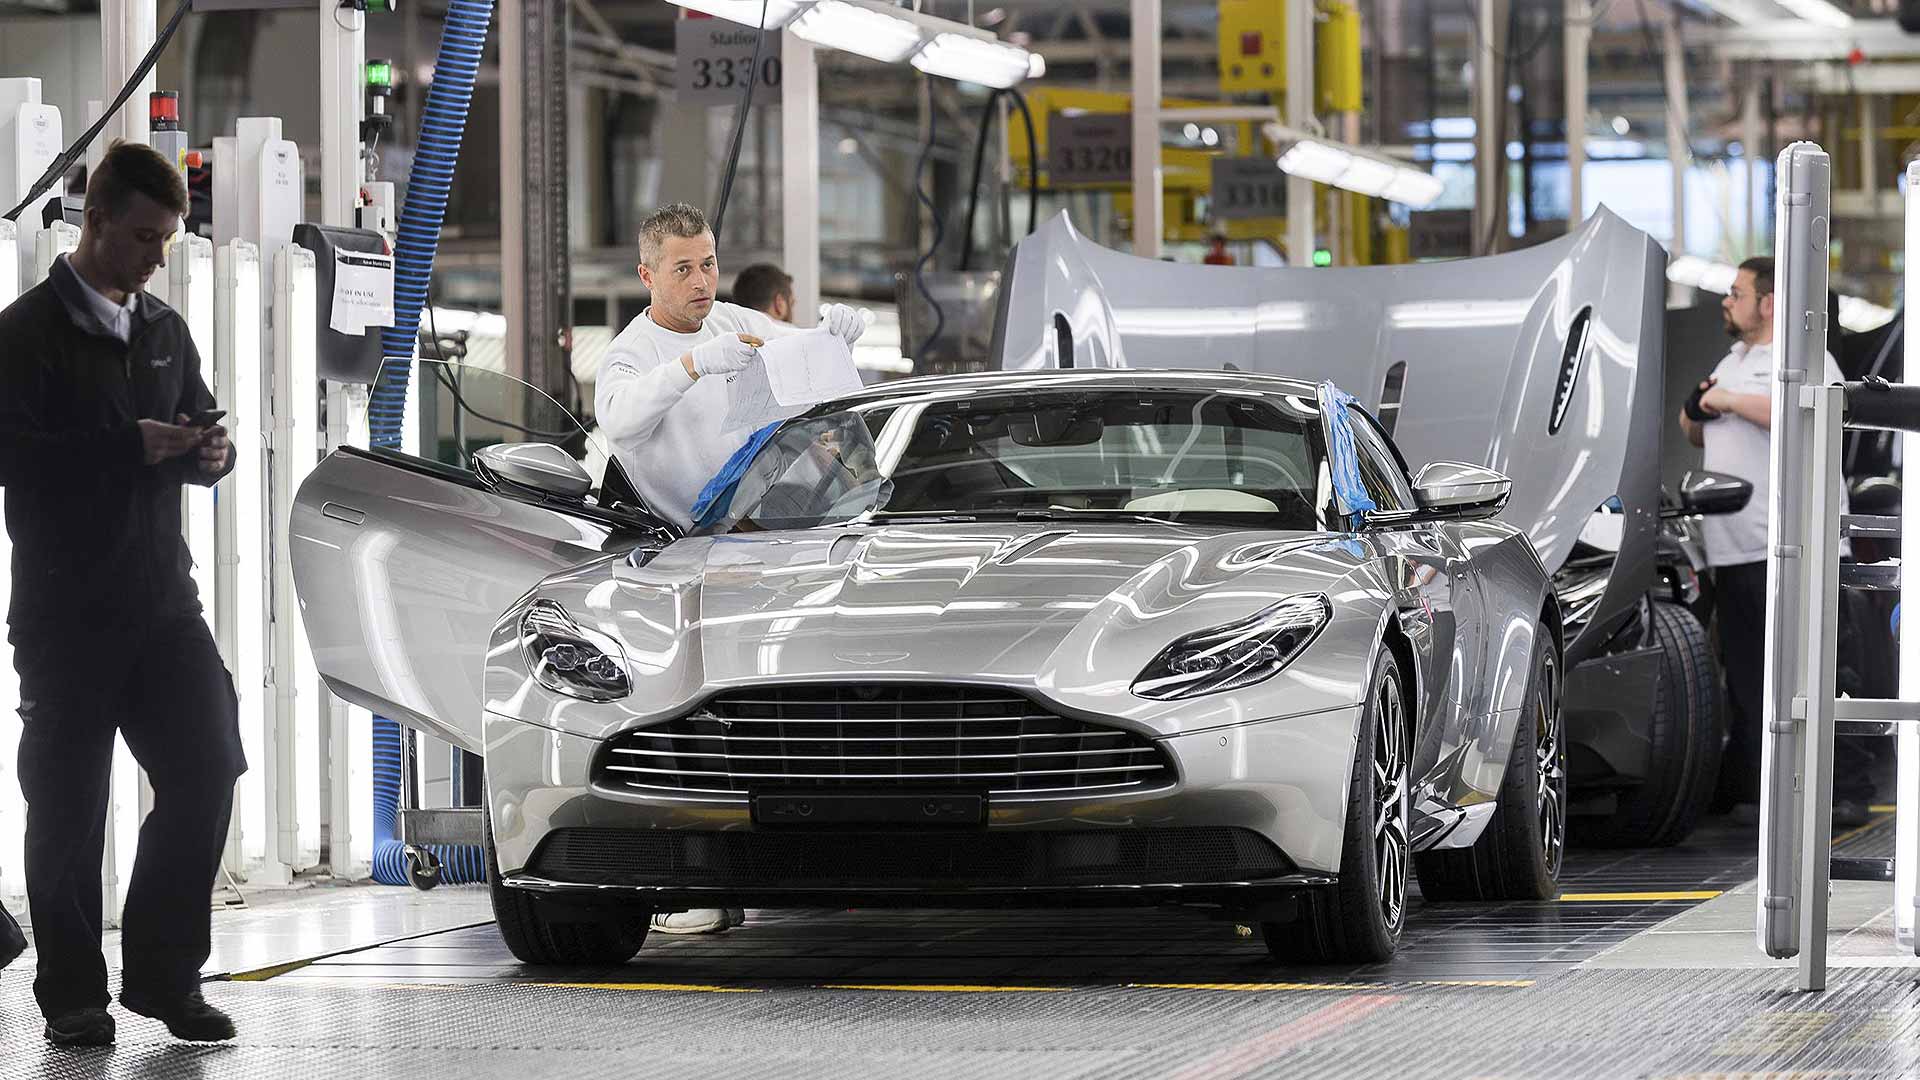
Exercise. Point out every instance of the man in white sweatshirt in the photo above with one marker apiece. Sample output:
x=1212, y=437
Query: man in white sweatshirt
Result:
x=664, y=388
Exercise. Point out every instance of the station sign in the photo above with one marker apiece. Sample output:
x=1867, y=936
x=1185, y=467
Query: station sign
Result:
x=713, y=59
x=1440, y=234
x=1247, y=187
x=1089, y=148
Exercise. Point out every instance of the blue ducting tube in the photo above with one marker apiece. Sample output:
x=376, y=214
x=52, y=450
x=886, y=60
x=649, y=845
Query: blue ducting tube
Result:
x=443, y=123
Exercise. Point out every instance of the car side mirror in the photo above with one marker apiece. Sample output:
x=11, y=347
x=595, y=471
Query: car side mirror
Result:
x=1706, y=492
x=1455, y=489
x=541, y=466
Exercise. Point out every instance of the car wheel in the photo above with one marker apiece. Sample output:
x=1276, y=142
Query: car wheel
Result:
x=537, y=933
x=1518, y=856
x=1360, y=919
x=1686, y=731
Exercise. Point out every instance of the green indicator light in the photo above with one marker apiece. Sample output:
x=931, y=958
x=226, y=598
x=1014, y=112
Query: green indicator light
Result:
x=379, y=73
x=1322, y=257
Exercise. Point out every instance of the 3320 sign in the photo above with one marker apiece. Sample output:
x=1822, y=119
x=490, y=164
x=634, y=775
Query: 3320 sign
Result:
x=1089, y=148
x=713, y=60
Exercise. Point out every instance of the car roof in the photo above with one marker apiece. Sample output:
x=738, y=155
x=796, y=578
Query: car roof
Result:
x=1087, y=378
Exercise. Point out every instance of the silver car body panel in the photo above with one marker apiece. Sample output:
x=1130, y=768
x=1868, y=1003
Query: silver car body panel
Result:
x=1484, y=345
x=413, y=604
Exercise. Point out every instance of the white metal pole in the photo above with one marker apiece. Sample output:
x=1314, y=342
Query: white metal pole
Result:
x=1300, y=87
x=1678, y=152
x=800, y=173
x=1751, y=134
x=1906, y=851
x=1489, y=104
x=1579, y=35
x=1148, y=179
x=126, y=33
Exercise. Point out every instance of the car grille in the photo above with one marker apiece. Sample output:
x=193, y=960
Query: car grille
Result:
x=956, y=860
x=941, y=737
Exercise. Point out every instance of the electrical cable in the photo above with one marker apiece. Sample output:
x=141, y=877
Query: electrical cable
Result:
x=71, y=154
x=719, y=214
x=939, y=229
x=979, y=154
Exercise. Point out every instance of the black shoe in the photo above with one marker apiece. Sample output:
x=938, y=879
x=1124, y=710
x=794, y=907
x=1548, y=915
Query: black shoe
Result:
x=82, y=1027
x=1850, y=813
x=188, y=1016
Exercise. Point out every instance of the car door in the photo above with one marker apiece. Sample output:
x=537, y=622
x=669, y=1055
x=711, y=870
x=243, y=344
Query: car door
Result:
x=1439, y=608
x=402, y=565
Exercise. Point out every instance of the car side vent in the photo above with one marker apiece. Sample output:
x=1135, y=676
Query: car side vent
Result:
x=1572, y=359
x=1063, y=339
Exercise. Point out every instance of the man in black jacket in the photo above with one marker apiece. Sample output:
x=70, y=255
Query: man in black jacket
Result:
x=99, y=383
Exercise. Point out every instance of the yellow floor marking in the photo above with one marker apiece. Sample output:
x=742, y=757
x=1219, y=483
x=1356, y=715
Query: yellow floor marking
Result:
x=948, y=988
x=1884, y=808
x=1868, y=827
x=1258, y=987
x=689, y=988
x=1518, y=984
x=265, y=973
x=1605, y=897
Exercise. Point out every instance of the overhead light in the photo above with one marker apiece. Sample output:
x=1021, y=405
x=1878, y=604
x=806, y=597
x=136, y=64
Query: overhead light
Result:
x=837, y=24
x=974, y=60
x=1036, y=65
x=1620, y=125
x=1210, y=137
x=1818, y=11
x=1351, y=170
x=747, y=12
x=1191, y=131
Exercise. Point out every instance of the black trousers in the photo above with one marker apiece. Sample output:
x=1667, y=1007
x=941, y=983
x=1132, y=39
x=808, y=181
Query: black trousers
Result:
x=1740, y=606
x=161, y=684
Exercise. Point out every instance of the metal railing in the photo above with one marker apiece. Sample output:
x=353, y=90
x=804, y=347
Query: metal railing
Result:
x=1805, y=532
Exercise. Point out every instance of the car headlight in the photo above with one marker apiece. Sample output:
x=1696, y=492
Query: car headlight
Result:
x=570, y=659
x=1237, y=654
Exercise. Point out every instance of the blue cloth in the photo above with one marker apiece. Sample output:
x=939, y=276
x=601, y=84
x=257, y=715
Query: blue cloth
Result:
x=714, y=499
x=1343, y=461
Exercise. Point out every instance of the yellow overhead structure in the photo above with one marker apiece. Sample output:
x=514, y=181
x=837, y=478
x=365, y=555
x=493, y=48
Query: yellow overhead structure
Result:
x=1336, y=61
x=1253, y=46
x=1185, y=170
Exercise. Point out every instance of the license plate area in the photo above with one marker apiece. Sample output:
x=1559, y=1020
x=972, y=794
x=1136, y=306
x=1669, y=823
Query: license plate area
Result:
x=810, y=809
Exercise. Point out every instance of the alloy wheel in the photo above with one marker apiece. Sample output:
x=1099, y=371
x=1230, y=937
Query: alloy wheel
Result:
x=1550, y=764
x=1392, y=800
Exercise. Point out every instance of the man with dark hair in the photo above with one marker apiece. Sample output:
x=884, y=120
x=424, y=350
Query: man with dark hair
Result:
x=1737, y=400
x=766, y=289
x=103, y=416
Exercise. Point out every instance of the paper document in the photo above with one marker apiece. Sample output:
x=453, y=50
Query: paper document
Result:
x=362, y=291
x=793, y=374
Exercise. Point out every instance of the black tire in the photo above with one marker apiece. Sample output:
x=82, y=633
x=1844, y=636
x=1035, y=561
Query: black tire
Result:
x=1518, y=856
x=1360, y=919
x=1687, y=729
x=528, y=925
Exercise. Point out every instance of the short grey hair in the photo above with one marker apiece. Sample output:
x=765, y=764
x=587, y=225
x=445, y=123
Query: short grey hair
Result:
x=674, y=219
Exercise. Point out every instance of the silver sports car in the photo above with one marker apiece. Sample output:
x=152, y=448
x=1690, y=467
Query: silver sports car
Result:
x=1089, y=637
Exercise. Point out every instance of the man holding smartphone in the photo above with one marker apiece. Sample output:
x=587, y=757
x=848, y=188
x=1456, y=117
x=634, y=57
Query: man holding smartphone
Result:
x=103, y=416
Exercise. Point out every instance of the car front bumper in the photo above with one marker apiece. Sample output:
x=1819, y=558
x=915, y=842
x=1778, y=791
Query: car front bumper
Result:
x=1256, y=809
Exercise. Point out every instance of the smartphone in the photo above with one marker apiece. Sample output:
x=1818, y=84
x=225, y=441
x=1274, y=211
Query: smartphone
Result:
x=206, y=418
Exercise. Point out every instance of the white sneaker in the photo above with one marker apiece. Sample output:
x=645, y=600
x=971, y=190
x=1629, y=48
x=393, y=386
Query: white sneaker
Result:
x=698, y=921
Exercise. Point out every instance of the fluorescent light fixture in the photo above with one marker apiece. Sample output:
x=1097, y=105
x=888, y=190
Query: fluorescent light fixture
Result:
x=1453, y=127
x=974, y=60
x=870, y=32
x=1330, y=163
x=747, y=12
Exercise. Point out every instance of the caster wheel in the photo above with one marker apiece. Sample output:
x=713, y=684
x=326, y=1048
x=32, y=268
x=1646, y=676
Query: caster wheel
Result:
x=423, y=868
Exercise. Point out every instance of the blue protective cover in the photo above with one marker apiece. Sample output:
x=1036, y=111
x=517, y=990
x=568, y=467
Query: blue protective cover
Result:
x=714, y=498
x=1343, y=462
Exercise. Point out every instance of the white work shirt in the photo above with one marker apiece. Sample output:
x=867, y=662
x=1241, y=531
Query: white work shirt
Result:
x=666, y=428
x=115, y=317
x=1739, y=447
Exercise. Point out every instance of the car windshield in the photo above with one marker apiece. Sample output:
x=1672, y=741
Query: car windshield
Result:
x=1166, y=455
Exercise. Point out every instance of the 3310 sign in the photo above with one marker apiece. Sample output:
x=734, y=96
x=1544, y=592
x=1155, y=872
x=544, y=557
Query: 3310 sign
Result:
x=1250, y=187
x=713, y=59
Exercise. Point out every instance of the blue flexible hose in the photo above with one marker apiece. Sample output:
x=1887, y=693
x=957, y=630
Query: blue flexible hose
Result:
x=443, y=122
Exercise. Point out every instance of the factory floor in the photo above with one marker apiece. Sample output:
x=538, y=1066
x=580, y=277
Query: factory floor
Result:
x=1645, y=966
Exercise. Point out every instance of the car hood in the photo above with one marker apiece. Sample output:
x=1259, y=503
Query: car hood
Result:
x=1072, y=611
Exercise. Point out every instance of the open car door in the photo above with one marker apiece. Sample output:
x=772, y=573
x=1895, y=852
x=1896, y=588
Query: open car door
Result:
x=403, y=564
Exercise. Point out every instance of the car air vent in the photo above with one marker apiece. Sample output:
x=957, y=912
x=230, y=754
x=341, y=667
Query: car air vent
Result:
x=881, y=736
x=1572, y=358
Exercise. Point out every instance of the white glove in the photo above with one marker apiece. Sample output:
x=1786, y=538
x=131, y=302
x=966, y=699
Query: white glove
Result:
x=723, y=355
x=845, y=323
